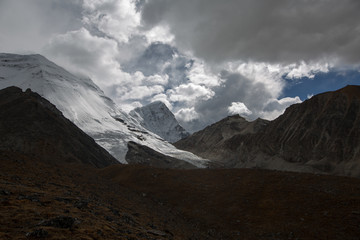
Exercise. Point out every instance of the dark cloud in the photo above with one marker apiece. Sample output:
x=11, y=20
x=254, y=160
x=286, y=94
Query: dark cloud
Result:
x=262, y=30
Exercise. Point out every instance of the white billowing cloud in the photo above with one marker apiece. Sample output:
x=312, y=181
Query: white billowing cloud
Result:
x=114, y=18
x=85, y=54
x=128, y=106
x=189, y=92
x=187, y=115
x=160, y=34
x=198, y=74
x=239, y=108
x=303, y=69
x=276, y=107
x=141, y=92
x=270, y=75
x=158, y=79
x=162, y=98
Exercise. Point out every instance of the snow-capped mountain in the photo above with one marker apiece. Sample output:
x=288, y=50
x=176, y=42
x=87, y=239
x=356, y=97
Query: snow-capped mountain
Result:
x=85, y=104
x=157, y=118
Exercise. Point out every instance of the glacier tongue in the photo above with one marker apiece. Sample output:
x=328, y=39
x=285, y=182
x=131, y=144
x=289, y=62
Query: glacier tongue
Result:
x=85, y=104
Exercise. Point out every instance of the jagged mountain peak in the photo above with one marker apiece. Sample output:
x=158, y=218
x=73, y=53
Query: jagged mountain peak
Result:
x=157, y=118
x=156, y=107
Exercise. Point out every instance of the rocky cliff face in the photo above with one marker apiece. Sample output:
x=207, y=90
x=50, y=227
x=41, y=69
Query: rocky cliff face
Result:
x=321, y=134
x=157, y=118
x=32, y=126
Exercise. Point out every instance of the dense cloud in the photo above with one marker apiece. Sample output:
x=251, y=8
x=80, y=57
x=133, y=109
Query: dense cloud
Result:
x=283, y=31
x=203, y=59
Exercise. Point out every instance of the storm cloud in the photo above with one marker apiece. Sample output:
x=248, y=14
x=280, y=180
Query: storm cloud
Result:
x=275, y=31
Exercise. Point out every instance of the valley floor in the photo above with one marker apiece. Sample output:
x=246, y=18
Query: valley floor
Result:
x=42, y=200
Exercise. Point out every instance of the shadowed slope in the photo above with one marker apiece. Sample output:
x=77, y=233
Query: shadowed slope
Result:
x=31, y=125
x=321, y=134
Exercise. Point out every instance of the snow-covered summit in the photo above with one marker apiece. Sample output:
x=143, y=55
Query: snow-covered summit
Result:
x=85, y=104
x=157, y=118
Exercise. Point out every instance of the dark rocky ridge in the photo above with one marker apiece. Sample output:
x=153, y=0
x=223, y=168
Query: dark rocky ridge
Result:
x=31, y=125
x=321, y=134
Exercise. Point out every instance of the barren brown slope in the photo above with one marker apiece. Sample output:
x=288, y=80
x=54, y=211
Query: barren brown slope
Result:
x=71, y=201
x=43, y=200
x=251, y=204
x=321, y=134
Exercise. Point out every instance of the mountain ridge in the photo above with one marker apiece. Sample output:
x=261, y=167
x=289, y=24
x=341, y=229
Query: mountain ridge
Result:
x=322, y=134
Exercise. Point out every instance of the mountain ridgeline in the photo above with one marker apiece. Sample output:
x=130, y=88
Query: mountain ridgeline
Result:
x=320, y=135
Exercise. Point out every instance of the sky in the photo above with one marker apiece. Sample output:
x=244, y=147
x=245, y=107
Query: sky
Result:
x=205, y=59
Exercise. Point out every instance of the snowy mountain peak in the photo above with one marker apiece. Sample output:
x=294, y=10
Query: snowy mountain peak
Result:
x=85, y=104
x=157, y=118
